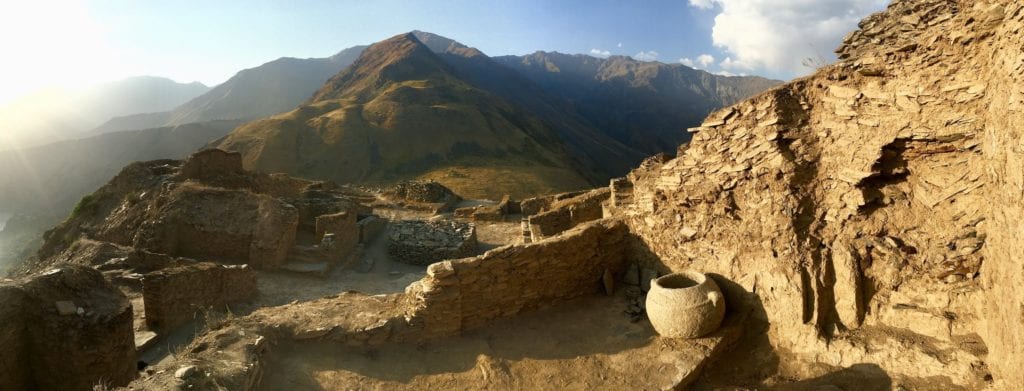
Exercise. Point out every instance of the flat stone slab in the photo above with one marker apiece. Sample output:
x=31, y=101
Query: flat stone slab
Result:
x=144, y=340
x=313, y=268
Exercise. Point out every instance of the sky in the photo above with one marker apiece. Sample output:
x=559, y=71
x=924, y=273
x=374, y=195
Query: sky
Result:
x=72, y=43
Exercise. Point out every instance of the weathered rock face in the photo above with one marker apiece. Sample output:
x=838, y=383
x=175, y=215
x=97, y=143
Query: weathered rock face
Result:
x=880, y=197
x=425, y=242
x=67, y=329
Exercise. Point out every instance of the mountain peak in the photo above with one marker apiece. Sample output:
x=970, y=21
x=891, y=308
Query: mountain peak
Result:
x=396, y=59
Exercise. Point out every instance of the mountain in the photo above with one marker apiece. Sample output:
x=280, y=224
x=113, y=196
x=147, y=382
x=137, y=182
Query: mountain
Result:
x=646, y=105
x=65, y=113
x=424, y=106
x=271, y=88
x=400, y=111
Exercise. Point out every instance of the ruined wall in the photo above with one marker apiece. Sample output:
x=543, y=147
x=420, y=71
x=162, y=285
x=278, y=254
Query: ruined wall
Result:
x=425, y=242
x=467, y=293
x=532, y=206
x=1003, y=146
x=567, y=213
x=852, y=206
x=174, y=295
x=370, y=227
x=15, y=372
x=67, y=329
x=345, y=229
x=230, y=226
x=210, y=161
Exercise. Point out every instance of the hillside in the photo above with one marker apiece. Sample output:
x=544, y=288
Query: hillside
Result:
x=275, y=87
x=645, y=105
x=63, y=113
x=400, y=111
x=46, y=181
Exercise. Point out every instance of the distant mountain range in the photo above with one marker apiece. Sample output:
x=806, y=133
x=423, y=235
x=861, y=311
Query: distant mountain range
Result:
x=58, y=114
x=641, y=104
x=271, y=88
x=423, y=106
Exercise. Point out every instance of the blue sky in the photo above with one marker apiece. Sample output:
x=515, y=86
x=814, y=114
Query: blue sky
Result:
x=81, y=42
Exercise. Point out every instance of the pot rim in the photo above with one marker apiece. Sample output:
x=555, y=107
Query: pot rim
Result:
x=698, y=279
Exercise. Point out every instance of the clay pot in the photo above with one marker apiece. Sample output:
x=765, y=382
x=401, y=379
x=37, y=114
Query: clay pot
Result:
x=685, y=305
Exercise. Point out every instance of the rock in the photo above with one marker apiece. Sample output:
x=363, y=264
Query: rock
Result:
x=632, y=275
x=66, y=308
x=609, y=282
x=185, y=372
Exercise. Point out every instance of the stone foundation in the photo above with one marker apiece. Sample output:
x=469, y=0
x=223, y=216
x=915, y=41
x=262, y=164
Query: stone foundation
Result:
x=568, y=213
x=172, y=296
x=424, y=242
x=68, y=329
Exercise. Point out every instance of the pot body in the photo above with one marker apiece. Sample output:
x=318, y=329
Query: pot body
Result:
x=685, y=305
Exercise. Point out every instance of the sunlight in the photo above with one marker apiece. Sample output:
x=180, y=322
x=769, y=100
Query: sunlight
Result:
x=58, y=44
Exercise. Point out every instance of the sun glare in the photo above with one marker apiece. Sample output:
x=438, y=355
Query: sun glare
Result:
x=52, y=44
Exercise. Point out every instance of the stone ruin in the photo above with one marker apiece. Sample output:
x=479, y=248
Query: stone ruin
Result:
x=65, y=329
x=425, y=242
x=426, y=195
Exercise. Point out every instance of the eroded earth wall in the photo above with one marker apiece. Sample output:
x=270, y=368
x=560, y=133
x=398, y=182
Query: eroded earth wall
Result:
x=873, y=203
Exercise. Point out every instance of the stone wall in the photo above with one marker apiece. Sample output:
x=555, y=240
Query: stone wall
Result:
x=370, y=227
x=68, y=329
x=568, y=213
x=209, y=163
x=425, y=242
x=345, y=229
x=532, y=206
x=229, y=226
x=173, y=296
x=467, y=293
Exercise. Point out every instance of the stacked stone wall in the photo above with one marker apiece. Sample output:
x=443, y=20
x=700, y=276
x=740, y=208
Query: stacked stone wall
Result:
x=468, y=293
x=174, y=295
x=423, y=243
x=568, y=213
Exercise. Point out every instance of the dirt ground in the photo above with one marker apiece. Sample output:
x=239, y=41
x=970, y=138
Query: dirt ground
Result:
x=386, y=275
x=590, y=338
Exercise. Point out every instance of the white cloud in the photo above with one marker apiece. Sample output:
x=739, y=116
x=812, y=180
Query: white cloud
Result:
x=703, y=4
x=705, y=59
x=647, y=56
x=600, y=53
x=775, y=36
x=619, y=45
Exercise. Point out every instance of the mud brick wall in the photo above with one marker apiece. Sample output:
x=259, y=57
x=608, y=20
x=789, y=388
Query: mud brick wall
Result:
x=463, y=294
x=172, y=296
x=568, y=213
x=46, y=350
